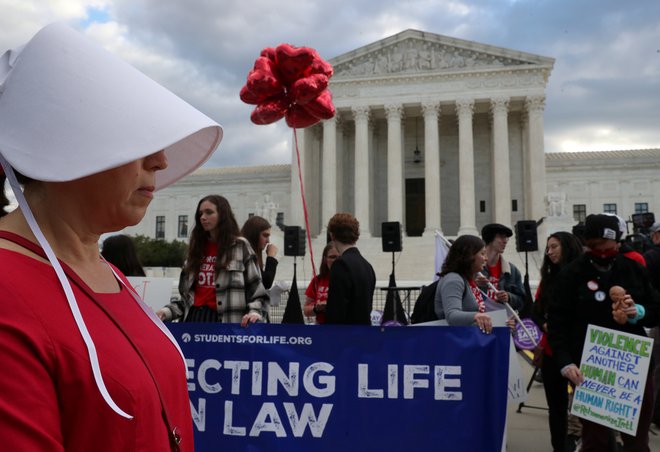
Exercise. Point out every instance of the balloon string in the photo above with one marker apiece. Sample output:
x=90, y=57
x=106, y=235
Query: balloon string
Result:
x=304, y=203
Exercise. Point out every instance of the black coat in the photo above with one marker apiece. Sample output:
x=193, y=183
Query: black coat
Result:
x=574, y=304
x=351, y=290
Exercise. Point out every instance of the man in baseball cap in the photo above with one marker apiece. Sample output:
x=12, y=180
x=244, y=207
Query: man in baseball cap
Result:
x=581, y=298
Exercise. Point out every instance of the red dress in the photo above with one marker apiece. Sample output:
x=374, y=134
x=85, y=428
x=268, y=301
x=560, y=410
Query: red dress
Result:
x=49, y=400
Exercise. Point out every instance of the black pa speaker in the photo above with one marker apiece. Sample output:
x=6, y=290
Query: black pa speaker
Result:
x=294, y=241
x=391, y=234
x=526, y=237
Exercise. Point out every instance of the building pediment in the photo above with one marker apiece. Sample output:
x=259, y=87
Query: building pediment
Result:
x=416, y=52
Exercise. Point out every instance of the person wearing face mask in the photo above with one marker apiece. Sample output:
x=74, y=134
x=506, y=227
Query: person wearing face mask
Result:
x=582, y=297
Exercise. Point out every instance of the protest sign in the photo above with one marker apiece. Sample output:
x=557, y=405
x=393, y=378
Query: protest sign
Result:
x=615, y=365
x=322, y=388
x=155, y=292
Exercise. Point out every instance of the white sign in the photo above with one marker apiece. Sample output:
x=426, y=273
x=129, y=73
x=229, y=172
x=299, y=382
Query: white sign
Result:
x=615, y=365
x=155, y=292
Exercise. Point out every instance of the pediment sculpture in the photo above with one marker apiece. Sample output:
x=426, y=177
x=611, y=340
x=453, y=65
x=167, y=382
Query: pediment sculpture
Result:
x=418, y=56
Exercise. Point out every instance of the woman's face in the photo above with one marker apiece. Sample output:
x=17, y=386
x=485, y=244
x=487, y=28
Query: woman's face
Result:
x=208, y=216
x=264, y=238
x=332, y=256
x=114, y=198
x=553, y=250
x=479, y=260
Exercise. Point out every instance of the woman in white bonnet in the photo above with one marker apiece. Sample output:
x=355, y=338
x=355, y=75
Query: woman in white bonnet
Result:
x=85, y=364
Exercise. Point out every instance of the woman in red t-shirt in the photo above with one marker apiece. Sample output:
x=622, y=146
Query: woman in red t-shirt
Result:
x=317, y=291
x=221, y=280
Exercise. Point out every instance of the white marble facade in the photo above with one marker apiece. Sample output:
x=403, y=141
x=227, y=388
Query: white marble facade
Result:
x=475, y=113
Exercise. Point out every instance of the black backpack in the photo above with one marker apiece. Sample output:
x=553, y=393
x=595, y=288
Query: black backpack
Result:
x=424, y=310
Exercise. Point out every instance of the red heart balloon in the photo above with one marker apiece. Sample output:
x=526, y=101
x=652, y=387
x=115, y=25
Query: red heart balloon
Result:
x=262, y=80
x=289, y=82
x=308, y=88
x=292, y=62
x=249, y=97
x=297, y=117
x=320, y=66
x=268, y=52
x=270, y=111
x=321, y=107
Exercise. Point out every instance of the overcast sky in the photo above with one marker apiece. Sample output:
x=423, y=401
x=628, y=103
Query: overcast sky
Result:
x=603, y=94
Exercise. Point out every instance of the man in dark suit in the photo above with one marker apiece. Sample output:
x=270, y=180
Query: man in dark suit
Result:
x=352, y=278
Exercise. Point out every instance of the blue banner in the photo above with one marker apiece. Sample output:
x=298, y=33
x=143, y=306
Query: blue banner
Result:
x=342, y=388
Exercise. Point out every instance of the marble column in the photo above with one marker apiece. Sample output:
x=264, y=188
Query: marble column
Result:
x=464, y=110
x=536, y=158
x=501, y=177
x=431, y=111
x=329, y=172
x=362, y=176
x=394, y=164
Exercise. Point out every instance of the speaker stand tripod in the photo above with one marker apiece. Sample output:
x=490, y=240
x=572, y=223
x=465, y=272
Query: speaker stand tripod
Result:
x=529, y=386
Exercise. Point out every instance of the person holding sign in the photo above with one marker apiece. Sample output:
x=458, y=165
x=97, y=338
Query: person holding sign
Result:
x=457, y=297
x=582, y=297
x=561, y=248
x=86, y=365
x=221, y=280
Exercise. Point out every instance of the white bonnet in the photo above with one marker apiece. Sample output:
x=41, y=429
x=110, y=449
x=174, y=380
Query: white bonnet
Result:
x=69, y=109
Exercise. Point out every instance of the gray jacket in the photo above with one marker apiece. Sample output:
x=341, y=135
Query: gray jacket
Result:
x=511, y=282
x=454, y=301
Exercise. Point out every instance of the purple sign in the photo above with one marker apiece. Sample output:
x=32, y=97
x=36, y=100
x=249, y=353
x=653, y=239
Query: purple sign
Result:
x=522, y=340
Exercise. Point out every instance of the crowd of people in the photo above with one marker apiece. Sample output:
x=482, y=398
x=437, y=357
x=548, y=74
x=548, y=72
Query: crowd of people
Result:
x=123, y=364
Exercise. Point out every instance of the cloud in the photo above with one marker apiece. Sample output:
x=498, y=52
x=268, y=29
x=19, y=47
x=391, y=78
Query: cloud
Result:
x=605, y=77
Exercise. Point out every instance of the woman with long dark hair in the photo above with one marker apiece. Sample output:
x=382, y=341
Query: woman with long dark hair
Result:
x=317, y=291
x=220, y=281
x=256, y=230
x=561, y=248
x=120, y=251
x=457, y=297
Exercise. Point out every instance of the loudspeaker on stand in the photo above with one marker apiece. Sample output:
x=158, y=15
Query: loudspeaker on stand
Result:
x=526, y=236
x=391, y=235
x=294, y=241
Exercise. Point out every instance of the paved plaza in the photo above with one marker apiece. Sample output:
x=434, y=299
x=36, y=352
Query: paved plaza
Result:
x=528, y=430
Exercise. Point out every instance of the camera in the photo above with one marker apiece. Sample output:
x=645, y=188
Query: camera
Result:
x=640, y=239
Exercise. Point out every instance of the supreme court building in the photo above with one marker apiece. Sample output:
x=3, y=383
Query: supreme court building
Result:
x=436, y=133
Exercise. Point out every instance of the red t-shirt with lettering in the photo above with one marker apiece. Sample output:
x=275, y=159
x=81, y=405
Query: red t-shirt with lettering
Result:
x=494, y=278
x=205, y=287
